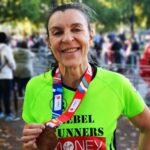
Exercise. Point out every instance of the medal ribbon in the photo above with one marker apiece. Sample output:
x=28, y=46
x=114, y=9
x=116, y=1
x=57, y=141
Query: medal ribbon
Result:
x=57, y=116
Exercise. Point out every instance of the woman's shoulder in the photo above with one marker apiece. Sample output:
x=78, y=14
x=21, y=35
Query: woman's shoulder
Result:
x=113, y=80
x=4, y=47
x=108, y=72
x=41, y=79
x=110, y=76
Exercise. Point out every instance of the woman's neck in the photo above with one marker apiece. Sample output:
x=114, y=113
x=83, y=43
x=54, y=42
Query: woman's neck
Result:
x=72, y=76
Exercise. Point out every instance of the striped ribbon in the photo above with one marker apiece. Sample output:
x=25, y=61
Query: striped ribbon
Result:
x=57, y=116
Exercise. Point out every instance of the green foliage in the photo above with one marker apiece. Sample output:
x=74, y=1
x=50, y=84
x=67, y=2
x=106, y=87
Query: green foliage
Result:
x=144, y=4
x=106, y=17
x=109, y=13
x=20, y=9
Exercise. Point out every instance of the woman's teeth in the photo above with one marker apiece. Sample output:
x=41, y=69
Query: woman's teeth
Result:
x=70, y=50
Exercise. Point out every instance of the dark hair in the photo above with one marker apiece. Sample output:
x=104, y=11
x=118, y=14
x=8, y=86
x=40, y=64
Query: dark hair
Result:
x=87, y=12
x=3, y=38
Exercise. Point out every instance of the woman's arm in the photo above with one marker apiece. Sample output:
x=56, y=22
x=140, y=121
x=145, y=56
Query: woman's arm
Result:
x=143, y=122
x=10, y=58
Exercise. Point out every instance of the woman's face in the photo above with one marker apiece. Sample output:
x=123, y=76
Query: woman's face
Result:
x=69, y=37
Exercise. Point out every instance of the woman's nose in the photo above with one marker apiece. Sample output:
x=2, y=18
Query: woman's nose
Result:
x=67, y=37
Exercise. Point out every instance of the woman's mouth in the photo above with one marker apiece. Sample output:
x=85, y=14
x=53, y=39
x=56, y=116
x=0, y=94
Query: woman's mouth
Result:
x=70, y=50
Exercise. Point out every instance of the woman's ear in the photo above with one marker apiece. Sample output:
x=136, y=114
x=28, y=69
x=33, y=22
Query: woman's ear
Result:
x=91, y=37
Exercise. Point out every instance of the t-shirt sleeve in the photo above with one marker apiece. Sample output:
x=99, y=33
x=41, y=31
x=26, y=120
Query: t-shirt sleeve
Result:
x=132, y=100
x=38, y=89
x=27, y=105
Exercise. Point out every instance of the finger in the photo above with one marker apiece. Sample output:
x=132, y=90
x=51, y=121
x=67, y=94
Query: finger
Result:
x=34, y=125
x=30, y=144
x=28, y=138
x=35, y=131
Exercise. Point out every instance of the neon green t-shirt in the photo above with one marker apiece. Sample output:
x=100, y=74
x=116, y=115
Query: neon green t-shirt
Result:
x=109, y=95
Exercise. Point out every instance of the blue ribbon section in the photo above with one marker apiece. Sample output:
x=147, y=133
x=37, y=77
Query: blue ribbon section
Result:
x=57, y=100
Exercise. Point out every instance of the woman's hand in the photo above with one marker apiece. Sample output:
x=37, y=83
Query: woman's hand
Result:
x=29, y=135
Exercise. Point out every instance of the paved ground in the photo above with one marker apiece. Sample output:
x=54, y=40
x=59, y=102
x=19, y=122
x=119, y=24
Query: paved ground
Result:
x=127, y=135
x=10, y=134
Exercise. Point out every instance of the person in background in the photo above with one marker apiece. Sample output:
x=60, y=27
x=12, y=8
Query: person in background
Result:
x=117, y=56
x=81, y=101
x=132, y=54
x=24, y=67
x=97, y=42
x=144, y=68
x=6, y=77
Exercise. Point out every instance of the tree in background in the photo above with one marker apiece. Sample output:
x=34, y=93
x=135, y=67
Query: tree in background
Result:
x=109, y=13
x=20, y=9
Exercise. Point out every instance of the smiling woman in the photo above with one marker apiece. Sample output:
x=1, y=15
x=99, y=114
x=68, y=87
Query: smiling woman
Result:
x=69, y=38
x=91, y=114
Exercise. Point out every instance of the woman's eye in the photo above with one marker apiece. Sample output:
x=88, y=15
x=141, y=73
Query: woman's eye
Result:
x=57, y=33
x=76, y=30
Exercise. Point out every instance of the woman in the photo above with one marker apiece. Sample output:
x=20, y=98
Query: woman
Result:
x=90, y=124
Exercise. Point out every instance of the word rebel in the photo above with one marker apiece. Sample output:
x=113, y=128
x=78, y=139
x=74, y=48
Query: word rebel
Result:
x=81, y=119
